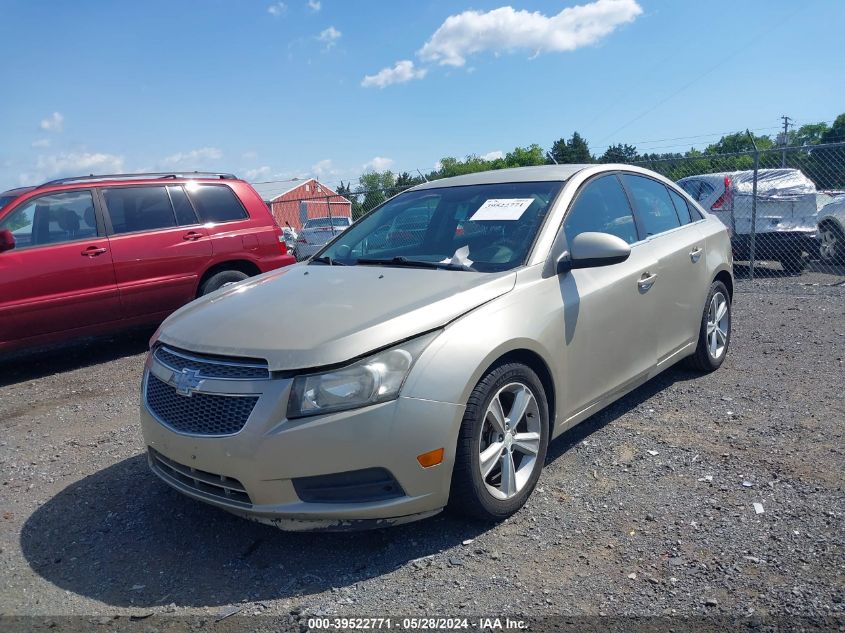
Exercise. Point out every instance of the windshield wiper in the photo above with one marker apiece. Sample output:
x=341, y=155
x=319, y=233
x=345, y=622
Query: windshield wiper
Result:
x=411, y=263
x=325, y=259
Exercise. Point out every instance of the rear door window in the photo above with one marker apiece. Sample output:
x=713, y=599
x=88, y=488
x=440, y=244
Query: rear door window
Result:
x=216, y=203
x=134, y=209
x=652, y=203
x=182, y=206
x=681, y=206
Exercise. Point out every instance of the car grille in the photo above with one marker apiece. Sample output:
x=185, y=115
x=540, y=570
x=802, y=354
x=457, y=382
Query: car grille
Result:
x=212, y=367
x=199, y=414
x=219, y=486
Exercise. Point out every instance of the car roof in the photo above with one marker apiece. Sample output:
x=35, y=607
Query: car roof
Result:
x=502, y=176
x=126, y=179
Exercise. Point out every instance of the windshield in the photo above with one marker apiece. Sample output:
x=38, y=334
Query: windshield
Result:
x=317, y=222
x=486, y=228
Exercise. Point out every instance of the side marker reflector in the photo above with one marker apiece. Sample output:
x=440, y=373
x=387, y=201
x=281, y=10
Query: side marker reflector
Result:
x=431, y=458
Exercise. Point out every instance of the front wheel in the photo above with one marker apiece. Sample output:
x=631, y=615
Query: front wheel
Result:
x=502, y=444
x=831, y=245
x=714, y=335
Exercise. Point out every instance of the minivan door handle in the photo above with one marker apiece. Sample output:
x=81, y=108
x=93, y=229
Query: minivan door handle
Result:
x=646, y=281
x=695, y=254
x=93, y=251
x=192, y=236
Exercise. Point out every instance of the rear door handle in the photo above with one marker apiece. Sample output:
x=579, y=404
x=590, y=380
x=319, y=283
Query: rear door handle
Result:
x=646, y=281
x=93, y=251
x=695, y=254
x=192, y=235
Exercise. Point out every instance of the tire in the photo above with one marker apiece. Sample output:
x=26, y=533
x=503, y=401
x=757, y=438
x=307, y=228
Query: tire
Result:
x=831, y=245
x=223, y=278
x=475, y=495
x=704, y=359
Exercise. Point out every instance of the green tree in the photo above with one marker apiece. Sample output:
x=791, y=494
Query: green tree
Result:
x=620, y=153
x=836, y=133
x=808, y=134
x=525, y=156
x=375, y=187
x=574, y=151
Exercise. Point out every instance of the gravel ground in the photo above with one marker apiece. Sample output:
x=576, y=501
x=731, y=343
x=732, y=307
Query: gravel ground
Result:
x=645, y=509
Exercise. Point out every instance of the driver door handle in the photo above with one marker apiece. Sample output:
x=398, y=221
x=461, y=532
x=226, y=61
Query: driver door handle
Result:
x=695, y=254
x=646, y=281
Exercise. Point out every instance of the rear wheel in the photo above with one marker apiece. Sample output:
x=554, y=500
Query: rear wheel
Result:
x=831, y=245
x=714, y=336
x=223, y=278
x=502, y=444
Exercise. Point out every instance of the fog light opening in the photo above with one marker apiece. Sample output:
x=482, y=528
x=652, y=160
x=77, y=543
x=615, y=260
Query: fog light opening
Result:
x=431, y=458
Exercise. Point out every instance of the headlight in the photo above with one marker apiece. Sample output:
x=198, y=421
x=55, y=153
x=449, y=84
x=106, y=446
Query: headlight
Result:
x=377, y=378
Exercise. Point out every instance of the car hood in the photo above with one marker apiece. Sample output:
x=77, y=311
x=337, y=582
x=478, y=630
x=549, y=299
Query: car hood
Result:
x=306, y=316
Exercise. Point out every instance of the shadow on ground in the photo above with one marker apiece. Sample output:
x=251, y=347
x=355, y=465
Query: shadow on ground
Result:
x=121, y=537
x=44, y=361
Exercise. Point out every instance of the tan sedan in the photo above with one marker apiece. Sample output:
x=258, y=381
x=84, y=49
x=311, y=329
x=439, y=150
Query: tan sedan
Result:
x=399, y=372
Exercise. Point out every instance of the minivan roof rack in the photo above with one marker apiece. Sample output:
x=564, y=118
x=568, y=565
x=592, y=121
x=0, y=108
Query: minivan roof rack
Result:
x=145, y=175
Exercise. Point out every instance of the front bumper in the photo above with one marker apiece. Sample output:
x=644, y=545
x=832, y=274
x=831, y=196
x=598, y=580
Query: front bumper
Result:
x=255, y=472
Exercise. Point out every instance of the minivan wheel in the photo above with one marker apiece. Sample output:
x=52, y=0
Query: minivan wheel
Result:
x=502, y=444
x=223, y=278
x=714, y=336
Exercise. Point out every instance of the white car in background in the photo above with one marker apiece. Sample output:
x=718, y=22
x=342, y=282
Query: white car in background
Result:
x=317, y=232
x=832, y=231
x=786, y=212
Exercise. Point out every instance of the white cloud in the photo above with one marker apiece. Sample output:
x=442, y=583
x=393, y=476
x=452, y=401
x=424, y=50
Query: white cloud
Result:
x=277, y=9
x=259, y=173
x=315, y=5
x=494, y=155
x=379, y=163
x=41, y=142
x=401, y=72
x=506, y=29
x=72, y=164
x=250, y=155
x=53, y=123
x=192, y=158
x=329, y=36
x=324, y=169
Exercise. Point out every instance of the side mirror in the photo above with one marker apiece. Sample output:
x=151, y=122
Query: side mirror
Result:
x=589, y=250
x=7, y=240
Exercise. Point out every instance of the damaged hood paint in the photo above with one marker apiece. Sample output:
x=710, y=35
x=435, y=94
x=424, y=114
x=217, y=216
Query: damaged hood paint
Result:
x=308, y=316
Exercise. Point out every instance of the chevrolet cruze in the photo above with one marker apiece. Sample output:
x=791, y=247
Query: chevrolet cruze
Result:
x=397, y=373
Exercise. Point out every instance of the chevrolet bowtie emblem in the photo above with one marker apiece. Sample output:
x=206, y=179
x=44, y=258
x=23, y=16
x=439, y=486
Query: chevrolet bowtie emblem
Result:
x=186, y=382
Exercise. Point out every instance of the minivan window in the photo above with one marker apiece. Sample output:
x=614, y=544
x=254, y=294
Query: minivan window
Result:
x=652, y=203
x=601, y=206
x=52, y=219
x=681, y=206
x=486, y=228
x=216, y=203
x=134, y=209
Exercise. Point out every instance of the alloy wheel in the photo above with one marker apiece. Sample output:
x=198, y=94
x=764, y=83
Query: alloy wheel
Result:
x=510, y=440
x=828, y=244
x=718, y=325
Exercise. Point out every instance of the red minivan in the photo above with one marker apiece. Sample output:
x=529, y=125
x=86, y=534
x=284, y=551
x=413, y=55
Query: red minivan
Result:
x=83, y=256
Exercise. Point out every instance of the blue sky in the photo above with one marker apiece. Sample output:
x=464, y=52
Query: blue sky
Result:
x=273, y=90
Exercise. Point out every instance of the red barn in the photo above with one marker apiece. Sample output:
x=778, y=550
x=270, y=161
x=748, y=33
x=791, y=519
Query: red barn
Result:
x=310, y=196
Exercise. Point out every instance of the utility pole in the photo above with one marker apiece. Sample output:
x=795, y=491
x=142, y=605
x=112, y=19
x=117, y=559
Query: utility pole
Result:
x=786, y=122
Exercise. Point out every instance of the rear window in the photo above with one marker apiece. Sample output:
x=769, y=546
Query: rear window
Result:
x=316, y=222
x=134, y=209
x=681, y=206
x=216, y=203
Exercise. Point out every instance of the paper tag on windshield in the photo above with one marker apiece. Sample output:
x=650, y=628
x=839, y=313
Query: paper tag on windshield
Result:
x=502, y=209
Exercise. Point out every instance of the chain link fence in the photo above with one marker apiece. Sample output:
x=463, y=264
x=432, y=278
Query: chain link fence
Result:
x=784, y=208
